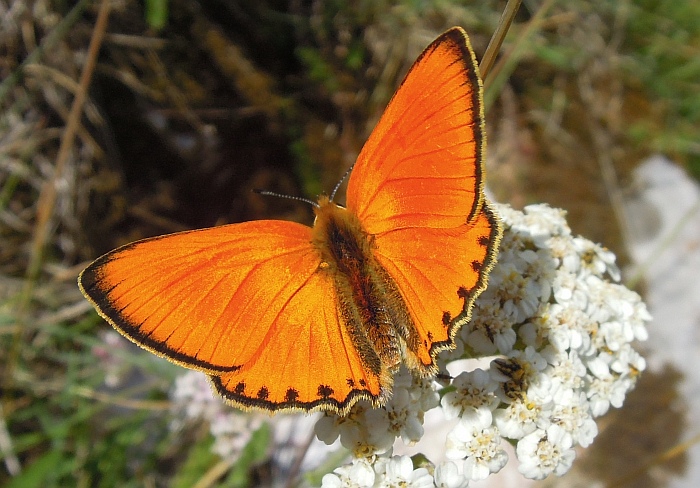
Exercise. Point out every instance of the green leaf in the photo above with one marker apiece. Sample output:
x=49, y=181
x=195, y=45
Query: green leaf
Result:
x=199, y=459
x=156, y=13
x=254, y=452
x=36, y=474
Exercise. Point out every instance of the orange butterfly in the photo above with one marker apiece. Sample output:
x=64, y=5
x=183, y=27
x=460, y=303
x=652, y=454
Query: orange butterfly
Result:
x=287, y=317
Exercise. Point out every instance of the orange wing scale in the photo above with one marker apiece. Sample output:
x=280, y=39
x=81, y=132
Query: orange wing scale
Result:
x=219, y=277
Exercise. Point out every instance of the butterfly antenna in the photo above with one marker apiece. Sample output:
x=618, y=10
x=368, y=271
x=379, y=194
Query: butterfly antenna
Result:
x=288, y=197
x=337, y=186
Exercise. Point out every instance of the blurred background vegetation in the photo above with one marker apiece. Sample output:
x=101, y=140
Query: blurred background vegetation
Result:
x=193, y=103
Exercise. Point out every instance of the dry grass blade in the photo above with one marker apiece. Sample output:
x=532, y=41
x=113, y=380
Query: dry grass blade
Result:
x=58, y=33
x=660, y=459
x=498, y=36
x=47, y=196
x=505, y=66
x=603, y=146
x=11, y=461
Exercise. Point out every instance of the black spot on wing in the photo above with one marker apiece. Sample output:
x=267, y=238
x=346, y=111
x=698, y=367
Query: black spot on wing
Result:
x=463, y=292
x=324, y=391
x=238, y=398
x=446, y=318
x=291, y=396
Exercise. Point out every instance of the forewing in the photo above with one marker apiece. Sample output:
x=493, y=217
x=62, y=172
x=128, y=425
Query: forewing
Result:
x=202, y=298
x=421, y=166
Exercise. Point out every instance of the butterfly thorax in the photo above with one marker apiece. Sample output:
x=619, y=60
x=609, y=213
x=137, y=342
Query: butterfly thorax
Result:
x=371, y=306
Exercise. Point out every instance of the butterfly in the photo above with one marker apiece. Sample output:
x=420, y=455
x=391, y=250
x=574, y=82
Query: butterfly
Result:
x=286, y=317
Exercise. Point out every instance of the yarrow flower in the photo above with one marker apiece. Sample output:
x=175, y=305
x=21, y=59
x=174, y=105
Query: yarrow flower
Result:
x=562, y=330
x=477, y=441
x=545, y=452
x=472, y=390
x=382, y=471
x=368, y=431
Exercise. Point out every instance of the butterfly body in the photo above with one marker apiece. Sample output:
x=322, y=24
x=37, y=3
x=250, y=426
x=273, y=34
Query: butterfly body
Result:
x=284, y=316
x=369, y=302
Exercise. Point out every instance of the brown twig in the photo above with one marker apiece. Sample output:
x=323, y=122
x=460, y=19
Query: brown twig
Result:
x=504, y=67
x=47, y=196
x=498, y=36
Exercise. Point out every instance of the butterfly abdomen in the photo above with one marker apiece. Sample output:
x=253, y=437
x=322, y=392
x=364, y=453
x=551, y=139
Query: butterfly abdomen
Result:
x=372, y=309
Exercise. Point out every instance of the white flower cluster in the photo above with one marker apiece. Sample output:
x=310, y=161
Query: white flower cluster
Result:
x=561, y=329
x=558, y=330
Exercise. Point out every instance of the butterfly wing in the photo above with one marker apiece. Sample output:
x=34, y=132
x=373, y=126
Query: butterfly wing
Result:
x=417, y=189
x=314, y=366
x=421, y=166
x=439, y=273
x=244, y=303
